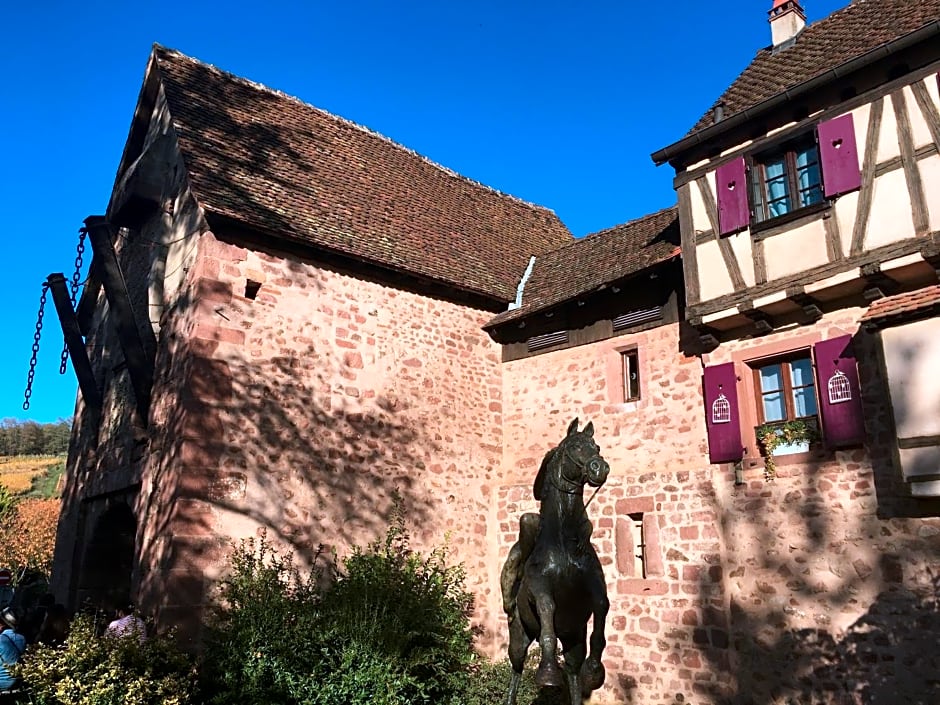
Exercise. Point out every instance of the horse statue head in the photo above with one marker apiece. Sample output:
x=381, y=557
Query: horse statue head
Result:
x=552, y=581
x=574, y=462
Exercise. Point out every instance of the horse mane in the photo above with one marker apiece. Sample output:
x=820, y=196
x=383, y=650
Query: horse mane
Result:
x=543, y=471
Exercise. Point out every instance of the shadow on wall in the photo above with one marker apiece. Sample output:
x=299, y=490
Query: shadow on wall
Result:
x=887, y=656
x=272, y=444
x=798, y=630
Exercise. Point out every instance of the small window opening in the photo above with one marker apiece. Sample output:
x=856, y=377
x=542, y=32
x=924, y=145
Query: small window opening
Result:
x=639, y=545
x=251, y=289
x=631, y=375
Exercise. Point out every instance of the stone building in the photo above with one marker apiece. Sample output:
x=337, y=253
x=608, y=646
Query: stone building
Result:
x=289, y=318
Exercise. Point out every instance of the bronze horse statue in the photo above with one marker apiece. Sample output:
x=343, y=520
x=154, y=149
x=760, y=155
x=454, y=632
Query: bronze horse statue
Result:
x=552, y=581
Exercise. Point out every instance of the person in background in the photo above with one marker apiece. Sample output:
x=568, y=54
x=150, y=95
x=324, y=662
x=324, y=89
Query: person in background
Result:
x=12, y=646
x=127, y=623
x=55, y=626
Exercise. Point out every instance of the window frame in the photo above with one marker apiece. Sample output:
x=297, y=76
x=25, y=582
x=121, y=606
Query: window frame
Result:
x=748, y=418
x=630, y=360
x=788, y=149
x=788, y=387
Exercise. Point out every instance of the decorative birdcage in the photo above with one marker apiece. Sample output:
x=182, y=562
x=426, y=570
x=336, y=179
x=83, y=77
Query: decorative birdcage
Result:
x=721, y=410
x=839, y=388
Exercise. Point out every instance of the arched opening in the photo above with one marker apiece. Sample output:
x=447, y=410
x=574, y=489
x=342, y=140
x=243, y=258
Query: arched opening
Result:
x=108, y=563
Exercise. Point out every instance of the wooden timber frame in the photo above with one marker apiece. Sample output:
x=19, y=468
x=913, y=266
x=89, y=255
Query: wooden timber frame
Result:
x=74, y=341
x=108, y=270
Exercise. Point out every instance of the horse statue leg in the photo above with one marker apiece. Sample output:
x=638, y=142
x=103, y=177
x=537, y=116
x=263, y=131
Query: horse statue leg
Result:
x=574, y=650
x=519, y=643
x=548, y=673
x=593, y=673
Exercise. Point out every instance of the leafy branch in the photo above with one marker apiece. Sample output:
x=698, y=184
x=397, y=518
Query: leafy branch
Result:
x=773, y=435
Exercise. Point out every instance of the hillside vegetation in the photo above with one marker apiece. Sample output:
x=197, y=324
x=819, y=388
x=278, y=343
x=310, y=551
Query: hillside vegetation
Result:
x=32, y=475
x=32, y=463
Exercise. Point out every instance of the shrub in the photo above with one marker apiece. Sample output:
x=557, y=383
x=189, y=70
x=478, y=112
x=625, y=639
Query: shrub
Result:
x=92, y=670
x=389, y=627
x=261, y=646
x=489, y=684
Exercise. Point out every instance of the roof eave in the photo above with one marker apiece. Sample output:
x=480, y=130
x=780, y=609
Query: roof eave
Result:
x=675, y=151
x=518, y=314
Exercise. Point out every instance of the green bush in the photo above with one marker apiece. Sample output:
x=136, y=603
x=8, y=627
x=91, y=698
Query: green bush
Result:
x=388, y=627
x=489, y=684
x=92, y=670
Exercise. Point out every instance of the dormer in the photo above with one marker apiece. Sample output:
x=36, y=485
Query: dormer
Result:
x=812, y=180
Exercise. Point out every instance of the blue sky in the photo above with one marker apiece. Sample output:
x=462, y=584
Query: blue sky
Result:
x=556, y=102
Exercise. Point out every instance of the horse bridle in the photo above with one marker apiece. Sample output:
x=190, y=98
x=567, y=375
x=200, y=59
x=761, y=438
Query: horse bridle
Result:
x=581, y=467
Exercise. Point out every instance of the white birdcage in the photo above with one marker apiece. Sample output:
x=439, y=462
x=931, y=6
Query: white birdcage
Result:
x=839, y=388
x=721, y=410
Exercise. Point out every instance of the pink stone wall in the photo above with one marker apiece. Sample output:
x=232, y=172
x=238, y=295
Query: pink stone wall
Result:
x=660, y=622
x=819, y=586
x=303, y=410
x=829, y=569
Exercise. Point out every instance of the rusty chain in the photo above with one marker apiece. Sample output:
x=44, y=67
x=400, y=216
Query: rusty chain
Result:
x=76, y=281
x=36, y=336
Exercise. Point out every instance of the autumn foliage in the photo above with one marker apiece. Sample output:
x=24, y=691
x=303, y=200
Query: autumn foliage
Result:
x=27, y=538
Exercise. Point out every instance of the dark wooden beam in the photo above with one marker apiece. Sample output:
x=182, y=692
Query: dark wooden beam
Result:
x=139, y=363
x=877, y=283
x=810, y=306
x=707, y=338
x=87, y=302
x=74, y=341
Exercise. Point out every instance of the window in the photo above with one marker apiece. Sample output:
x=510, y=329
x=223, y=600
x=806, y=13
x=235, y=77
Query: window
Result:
x=639, y=545
x=786, y=390
x=788, y=177
x=786, y=180
x=547, y=340
x=631, y=375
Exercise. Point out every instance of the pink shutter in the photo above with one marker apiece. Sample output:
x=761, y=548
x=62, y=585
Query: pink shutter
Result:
x=731, y=184
x=722, y=416
x=838, y=154
x=840, y=401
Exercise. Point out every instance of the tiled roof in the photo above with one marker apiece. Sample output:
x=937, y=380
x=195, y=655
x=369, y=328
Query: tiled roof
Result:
x=848, y=33
x=272, y=162
x=597, y=259
x=913, y=304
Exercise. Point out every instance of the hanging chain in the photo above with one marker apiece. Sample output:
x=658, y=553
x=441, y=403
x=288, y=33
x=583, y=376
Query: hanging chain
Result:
x=76, y=280
x=36, y=336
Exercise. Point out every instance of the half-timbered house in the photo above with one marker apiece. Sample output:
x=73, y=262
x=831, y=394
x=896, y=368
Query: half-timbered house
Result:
x=809, y=209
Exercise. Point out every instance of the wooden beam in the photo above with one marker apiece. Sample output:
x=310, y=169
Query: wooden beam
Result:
x=915, y=185
x=74, y=341
x=810, y=306
x=724, y=245
x=869, y=162
x=761, y=321
x=139, y=363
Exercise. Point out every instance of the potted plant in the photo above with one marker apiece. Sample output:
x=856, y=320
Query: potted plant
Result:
x=771, y=436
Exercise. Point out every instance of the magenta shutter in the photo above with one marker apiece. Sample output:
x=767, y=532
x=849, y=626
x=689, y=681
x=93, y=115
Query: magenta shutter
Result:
x=731, y=184
x=722, y=414
x=840, y=401
x=838, y=153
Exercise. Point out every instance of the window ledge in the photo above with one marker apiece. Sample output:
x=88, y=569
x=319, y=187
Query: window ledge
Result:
x=815, y=454
x=642, y=586
x=771, y=226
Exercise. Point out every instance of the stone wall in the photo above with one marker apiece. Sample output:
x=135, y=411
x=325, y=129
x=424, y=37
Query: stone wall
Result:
x=817, y=586
x=830, y=567
x=299, y=399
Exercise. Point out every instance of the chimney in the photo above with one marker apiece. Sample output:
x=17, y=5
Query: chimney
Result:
x=787, y=20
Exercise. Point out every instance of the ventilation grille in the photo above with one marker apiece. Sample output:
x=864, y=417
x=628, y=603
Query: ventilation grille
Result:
x=635, y=318
x=547, y=340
